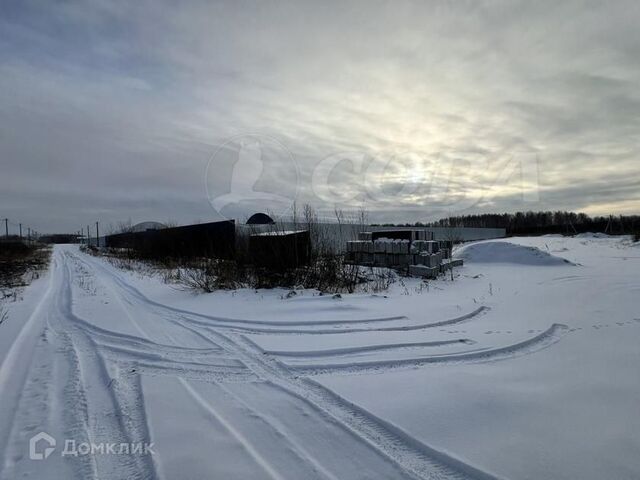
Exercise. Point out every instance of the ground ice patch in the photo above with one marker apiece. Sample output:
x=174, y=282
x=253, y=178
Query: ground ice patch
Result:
x=505, y=252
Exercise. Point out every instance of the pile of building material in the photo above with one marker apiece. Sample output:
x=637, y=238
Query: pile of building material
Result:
x=411, y=235
x=413, y=251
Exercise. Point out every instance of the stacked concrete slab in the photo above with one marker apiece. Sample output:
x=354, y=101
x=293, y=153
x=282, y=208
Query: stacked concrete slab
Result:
x=414, y=251
x=449, y=264
x=430, y=246
x=423, y=271
x=399, y=234
x=428, y=259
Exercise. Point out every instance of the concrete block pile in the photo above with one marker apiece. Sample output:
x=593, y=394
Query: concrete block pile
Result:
x=428, y=259
x=449, y=264
x=415, y=251
x=423, y=271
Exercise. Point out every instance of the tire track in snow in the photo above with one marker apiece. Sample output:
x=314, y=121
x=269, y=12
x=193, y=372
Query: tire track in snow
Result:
x=32, y=411
x=202, y=402
x=347, y=351
x=105, y=417
x=427, y=462
x=239, y=325
x=399, y=328
x=109, y=338
x=285, y=331
x=417, y=462
x=80, y=405
x=531, y=345
x=414, y=457
x=157, y=358
x=301, y=451
x=14, y=370
x=263, y=462
x=225, y=322
x=61, y=421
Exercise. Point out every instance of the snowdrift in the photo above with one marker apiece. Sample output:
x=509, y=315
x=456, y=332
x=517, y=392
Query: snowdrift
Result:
x=505, y=252
x=592, y=235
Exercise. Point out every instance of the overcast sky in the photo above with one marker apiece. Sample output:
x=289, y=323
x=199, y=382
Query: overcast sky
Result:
x=112, y=110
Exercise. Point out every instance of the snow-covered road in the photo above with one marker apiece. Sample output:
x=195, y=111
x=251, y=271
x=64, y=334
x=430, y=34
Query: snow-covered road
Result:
x=209, y=400
x=240, y=396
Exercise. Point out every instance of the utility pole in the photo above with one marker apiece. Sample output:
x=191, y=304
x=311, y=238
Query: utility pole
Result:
x=28, y=233
x=20, y=231
x=97, y=236
x=6, y=227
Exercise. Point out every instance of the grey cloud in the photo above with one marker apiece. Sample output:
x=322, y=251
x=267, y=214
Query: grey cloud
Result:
x=122, y=104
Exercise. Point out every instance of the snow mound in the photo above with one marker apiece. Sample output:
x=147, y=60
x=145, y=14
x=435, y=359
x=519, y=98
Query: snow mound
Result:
x=505, y=252
x=592, y=235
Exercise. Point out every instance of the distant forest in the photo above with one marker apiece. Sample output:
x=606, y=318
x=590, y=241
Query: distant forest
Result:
x=540, y=223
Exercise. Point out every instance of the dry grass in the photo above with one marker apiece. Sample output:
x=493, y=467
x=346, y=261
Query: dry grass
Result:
x=326, y=273
x=20, y=264
x=4, y=314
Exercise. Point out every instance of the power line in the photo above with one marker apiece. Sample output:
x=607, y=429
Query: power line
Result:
x=18, y=229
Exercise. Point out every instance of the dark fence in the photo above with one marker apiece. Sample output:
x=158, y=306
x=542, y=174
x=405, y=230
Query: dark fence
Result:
x=213, y=240
x=13, y=247
x=60, y=238
x=280, y=250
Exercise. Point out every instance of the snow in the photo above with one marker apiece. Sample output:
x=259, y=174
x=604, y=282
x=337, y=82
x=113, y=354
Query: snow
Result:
x=524, y=366
x=505, y=252
x=592, y=235
x=278, y=233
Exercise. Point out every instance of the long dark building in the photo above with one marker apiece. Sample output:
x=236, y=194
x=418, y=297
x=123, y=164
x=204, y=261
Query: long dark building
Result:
x=214, y=240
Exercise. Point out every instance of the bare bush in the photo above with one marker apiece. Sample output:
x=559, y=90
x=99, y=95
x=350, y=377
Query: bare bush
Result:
x=4, y=314
x=452, y=236
x=90, y=250
x=211, y=275
x=20, y=263
x=331, y=274
x=197, y=279
x=377, y=279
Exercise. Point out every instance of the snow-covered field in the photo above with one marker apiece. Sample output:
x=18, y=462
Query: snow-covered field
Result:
x=524, y=367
